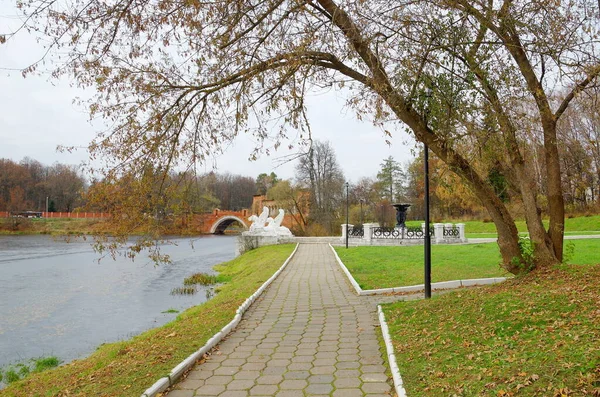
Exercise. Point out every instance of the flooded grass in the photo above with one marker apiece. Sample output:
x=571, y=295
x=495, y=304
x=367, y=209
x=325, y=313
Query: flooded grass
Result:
x=171, y=311
x=184, y=290
x=190, y=283
x=20, y=371
x=201, y=278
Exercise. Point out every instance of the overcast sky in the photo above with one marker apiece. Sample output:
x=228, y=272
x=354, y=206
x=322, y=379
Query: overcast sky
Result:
x=37, y=114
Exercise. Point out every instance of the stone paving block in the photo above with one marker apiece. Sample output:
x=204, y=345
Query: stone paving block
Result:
x=226, y=370
x=319, y=362
x=210, y=390
x=258, y=358
x=295, y=384
x=269, y=380
x=348, y=357
x=280, y=355
x=269, y=346
x=253, y=366
x=290, y=393
x=219, y=380
x=302, y=359
x=347, y=373
x=324, y=370
x=376, y=387
x=274, y=371
x=318, y=389
x=299, y=366
x=347, y=364
x=247, y=375
x=374, y=377
x=234, y=393
x=371, y=359
x=218, y=357
x=190, y=384
x=296, y=375
x=234, y=362
x=372, y=368
x=181, y=393
x=343, y=383
x=328, y=348
x=240, y=384
x=263, y=390
x=210, y=365
x=347, y=393
x=199, y=373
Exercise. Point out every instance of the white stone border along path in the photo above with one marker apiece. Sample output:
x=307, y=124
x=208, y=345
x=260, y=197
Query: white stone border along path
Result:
x=398, y=384
x=164, y=383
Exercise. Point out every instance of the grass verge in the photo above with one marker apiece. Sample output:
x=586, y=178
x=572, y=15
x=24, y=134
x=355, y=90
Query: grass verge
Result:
x=385, y=267
x=582, y=224
x=128, y=368
x=535, y=335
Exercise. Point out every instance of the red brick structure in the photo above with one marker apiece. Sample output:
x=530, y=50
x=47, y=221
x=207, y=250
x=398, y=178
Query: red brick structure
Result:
x=217, y=221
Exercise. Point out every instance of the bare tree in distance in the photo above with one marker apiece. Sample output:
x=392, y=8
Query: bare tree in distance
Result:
x=177, y=79
x=319, y=171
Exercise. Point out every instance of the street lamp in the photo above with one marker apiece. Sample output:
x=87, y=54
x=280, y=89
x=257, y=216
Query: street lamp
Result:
x=347, y=213
x=427, y=243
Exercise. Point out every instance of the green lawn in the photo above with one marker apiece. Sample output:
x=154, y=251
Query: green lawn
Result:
x=130, y=367
x=535, y=335
x=385, y=267
x=579, y=225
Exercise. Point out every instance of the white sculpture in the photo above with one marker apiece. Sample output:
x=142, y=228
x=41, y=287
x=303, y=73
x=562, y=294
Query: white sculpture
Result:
x=273, y=226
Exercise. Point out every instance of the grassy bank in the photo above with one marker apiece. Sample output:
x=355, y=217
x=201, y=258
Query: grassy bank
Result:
x=384, y=267
x=128, y=368
x=53, y=226
x=536, y=335
x=579, y=225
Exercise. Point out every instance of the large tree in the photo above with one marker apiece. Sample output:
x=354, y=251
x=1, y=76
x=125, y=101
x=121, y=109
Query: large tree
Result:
x=470, y=78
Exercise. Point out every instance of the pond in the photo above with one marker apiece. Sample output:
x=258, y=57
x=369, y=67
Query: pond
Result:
x=57, y=299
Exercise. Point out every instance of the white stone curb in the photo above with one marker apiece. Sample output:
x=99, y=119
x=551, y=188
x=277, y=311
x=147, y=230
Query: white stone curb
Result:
x=414, y=288
x=398, y=384
x=346, y=272
x=163, y=383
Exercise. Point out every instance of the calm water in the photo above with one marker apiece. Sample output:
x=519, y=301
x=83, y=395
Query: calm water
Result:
x=56, y=299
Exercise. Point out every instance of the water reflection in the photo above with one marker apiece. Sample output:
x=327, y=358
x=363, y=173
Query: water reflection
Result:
x=57, y=299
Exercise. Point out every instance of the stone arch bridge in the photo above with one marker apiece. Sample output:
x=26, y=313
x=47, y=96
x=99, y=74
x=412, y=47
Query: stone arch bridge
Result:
x=217, y=221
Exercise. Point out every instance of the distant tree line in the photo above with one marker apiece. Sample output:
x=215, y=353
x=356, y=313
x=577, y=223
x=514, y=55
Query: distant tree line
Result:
x=30, y=185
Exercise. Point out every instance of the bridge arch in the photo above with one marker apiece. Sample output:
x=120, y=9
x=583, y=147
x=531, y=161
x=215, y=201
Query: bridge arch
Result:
x=223, y=223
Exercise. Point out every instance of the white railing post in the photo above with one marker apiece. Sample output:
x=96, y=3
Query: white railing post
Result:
x=461, y=232
x=367, y=231
x=439, y=232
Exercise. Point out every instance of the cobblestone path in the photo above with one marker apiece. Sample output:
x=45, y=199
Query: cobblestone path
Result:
x=308, y=335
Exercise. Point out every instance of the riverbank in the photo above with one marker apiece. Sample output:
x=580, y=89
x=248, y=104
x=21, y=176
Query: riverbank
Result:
x=127, y=368
x=82, y=226
x=51, y=226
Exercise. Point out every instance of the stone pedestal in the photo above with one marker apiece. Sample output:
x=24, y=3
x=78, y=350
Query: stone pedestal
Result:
x=344, y=231
x=438, y=232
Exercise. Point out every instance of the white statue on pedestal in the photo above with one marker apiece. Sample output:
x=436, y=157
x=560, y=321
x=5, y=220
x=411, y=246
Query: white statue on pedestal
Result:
x=273, y=226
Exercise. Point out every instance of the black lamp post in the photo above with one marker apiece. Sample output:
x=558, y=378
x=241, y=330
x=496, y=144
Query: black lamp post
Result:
x=347, y=213
x=427, y=244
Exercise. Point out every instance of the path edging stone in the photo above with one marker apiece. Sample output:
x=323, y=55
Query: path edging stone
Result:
x=414, y=288
x=398, y=384
x=163, y=383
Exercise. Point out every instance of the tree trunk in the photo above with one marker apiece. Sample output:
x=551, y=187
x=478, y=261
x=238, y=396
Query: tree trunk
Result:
x=556, y=204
